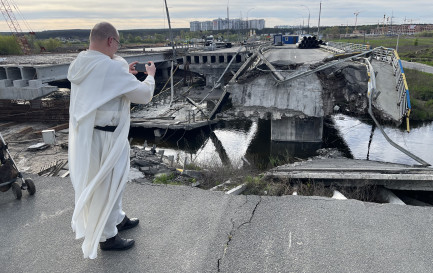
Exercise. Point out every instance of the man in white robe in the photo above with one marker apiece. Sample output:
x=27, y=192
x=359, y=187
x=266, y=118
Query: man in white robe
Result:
x=102, y=87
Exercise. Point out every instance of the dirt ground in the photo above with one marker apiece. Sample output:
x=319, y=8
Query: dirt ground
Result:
x=20, y=136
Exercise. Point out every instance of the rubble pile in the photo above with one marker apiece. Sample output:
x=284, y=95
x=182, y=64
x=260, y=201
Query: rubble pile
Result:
x=158, y=168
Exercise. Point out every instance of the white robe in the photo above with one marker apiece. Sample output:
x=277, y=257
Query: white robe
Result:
x=97, y=81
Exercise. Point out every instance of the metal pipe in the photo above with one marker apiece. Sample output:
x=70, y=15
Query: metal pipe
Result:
x=174, y=52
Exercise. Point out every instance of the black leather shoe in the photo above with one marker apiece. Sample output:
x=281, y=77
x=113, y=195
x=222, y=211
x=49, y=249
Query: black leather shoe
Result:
x=116, y=243
x=127, y=223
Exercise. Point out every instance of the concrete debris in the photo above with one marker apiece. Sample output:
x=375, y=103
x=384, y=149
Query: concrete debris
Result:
x=134, y=173
x=193, y=174
x=338, y=195
x=38, y=146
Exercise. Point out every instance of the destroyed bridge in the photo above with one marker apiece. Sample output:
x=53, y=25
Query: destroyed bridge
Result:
x=295, y=88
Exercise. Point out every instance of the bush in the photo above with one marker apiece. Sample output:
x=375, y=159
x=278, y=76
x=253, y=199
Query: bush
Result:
x=425, y=34
x=9, y=46
x=49, y=44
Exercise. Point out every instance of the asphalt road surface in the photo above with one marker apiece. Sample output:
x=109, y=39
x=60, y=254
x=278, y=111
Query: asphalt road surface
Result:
x=186, y=229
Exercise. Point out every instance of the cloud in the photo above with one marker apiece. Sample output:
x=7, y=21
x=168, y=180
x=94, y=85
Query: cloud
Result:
x=59, y=14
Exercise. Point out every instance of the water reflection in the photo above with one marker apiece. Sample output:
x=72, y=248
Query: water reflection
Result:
x=236, y=143
x=357, y=135
x=243, y=142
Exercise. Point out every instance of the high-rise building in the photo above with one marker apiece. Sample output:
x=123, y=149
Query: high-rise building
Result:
x=206, y=25
x=257, y=24
x=194, y=26
x=218, y=24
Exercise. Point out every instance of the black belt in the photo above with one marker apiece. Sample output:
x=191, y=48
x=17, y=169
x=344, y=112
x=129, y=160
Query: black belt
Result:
x=106, y=128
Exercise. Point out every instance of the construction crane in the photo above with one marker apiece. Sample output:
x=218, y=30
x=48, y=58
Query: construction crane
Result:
x=11, y=20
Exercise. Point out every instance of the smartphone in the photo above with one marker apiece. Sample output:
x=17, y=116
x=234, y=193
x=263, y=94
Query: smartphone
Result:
x=141, y=67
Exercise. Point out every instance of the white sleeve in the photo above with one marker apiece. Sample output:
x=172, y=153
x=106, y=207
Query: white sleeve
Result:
x=144, y=93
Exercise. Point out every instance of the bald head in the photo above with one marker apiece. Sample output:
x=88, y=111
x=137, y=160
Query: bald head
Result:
x=102, y=31
x=104, y=38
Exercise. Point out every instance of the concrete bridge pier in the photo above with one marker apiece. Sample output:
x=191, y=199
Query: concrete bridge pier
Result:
x=296, y=129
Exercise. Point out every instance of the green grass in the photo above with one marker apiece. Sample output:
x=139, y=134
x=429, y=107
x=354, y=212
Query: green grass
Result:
x=256, y=185
x=167, y=179
x=421, y=94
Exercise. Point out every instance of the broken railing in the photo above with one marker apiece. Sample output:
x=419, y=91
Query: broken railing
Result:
x=370, y=93
x=390, y=56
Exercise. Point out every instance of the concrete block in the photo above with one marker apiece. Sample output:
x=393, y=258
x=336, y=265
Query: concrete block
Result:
x=5, y=83
x=21, y=83
x=35, y=83
x=49, y=137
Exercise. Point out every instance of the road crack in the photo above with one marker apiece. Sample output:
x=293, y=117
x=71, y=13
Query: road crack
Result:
x=234, y=229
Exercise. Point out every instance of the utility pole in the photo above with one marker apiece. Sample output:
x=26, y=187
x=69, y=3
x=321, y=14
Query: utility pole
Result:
x=392, y=28
x=356, y=17
x=174, y=53
x=318, y=25
x=228, y=18
x=308, y=29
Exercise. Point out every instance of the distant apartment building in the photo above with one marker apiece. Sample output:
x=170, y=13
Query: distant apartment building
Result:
x=194, y=26
x=256, y=24
x=206, y=25
x=224, y=24
x=219, y=24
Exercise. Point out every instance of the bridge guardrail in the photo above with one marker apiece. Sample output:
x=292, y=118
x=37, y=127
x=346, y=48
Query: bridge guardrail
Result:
x=371, y=90
x=349, y=47
x=390, y=56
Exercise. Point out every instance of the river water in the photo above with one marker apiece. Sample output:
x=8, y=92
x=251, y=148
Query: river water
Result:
x=357, y=133
x=243, y=142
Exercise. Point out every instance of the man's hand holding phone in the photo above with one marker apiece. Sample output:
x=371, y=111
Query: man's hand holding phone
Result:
x=148, y=68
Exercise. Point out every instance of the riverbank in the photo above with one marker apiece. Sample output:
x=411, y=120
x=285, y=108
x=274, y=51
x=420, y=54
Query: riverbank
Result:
x=421, y=94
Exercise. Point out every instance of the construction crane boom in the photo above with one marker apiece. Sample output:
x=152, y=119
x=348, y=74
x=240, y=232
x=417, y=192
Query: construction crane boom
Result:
x=14, y=26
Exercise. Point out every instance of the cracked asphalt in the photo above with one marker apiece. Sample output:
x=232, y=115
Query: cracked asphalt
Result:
x=185, y=229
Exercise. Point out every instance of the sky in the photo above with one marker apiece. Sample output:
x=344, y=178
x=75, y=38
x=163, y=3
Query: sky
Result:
x=84, y=14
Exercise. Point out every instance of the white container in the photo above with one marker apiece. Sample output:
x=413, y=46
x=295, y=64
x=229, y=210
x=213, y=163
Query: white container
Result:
x=49, y=137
